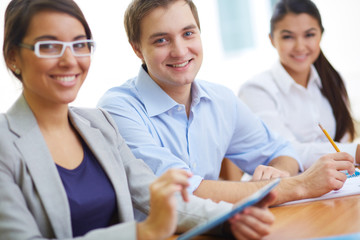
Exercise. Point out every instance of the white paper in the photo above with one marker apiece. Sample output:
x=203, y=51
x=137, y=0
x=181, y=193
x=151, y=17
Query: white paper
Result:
x=350, y=187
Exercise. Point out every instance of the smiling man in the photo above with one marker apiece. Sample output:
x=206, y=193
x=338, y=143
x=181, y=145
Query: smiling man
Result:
x=170, y=119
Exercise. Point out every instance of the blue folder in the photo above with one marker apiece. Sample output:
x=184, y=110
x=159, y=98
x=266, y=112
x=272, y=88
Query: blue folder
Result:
x=238, y=207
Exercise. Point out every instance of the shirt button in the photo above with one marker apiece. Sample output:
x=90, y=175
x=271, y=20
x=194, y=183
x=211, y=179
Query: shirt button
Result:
x=179, y=108
x=194, y=165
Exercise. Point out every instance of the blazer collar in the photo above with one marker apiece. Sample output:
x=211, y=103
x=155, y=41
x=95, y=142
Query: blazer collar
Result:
x=34, y=150
x=100, y=147
x=48, y=183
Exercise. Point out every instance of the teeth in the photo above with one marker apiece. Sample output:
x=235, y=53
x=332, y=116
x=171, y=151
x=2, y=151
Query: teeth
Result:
x=66, y=79
x=300, y=57
x=181, y=65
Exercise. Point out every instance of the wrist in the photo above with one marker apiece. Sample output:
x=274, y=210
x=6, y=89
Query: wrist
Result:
x=290, y=189
x=300, y=187
x=145, y=232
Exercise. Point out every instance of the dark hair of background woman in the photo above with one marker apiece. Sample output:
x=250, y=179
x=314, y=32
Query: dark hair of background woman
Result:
x=333, y=87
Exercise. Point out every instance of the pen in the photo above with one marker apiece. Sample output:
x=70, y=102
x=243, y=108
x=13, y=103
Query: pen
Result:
x=332, y=141
x=329, y=138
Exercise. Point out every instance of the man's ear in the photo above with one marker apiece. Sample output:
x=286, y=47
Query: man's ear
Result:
x=271, y=40
x=137, y=50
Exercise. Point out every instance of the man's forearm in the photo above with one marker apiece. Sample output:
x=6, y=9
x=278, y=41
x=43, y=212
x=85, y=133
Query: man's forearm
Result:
x=228, y=191
x=289, y=189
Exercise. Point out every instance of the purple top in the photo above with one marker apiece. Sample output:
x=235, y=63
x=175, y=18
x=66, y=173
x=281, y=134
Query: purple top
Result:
x=90, y=193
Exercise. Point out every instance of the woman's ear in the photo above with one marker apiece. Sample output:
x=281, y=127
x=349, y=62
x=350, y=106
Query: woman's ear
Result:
x=12, y=62
x=271, y=40
x=136, y=48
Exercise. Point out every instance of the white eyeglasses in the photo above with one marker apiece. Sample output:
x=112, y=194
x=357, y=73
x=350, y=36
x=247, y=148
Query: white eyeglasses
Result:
x=55, y=49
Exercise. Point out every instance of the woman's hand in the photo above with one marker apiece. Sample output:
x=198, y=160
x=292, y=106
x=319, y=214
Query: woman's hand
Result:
x=162, y=219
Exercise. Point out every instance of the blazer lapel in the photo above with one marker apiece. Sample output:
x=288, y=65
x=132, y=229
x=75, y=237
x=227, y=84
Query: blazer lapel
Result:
x=112, y=166
x=41, y=167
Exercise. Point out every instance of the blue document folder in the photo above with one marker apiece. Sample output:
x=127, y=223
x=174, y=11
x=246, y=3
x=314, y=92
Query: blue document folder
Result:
x=238, y=207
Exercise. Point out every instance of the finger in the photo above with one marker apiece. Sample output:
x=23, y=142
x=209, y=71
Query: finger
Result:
x=337, y=184
x=267, y=174
x=261, y=214
x=341, y=156
x=185, y=194
x=257, y=175
x=183, y=172
x=171, y=177
x=340, y=178
x=168, y=191
x=176, y=176
x=336, y=181
x=242, y=231
x=271, y=173
x=346, y=166
x=277, y=175
x=334, y=161
x=250, y=226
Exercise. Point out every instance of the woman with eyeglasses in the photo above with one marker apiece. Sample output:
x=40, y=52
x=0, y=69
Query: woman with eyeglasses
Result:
x=65, y=172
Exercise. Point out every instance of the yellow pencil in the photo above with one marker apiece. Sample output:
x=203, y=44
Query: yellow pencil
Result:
x=333, y=143
x=329, y=138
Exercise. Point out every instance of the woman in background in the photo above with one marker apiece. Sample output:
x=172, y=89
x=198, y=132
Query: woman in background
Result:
x=65, y=172
x=302, y=89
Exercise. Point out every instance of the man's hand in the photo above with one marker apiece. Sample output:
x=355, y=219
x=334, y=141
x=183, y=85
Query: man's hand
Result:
x=263, y=172
x=255, y=221
x=326, y=174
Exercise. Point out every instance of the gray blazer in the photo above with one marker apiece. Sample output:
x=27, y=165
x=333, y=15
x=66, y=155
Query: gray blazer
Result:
x=33, y=201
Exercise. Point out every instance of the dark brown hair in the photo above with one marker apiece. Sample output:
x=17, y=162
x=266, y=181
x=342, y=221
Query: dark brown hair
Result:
x=19, y=13
x=138, y=9
x=333, y=87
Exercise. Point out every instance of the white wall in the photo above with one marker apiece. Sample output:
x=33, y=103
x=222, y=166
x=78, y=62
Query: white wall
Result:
x=114, y=61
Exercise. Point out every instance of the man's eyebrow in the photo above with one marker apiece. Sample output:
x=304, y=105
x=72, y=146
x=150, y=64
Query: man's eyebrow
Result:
x=191, y=26
x=158, y=34
x=161, y=34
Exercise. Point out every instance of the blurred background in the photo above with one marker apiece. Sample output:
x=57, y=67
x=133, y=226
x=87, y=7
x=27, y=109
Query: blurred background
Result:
x=235, y=41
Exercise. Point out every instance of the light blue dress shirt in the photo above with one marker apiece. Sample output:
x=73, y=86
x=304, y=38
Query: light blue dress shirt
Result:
x=157, y=129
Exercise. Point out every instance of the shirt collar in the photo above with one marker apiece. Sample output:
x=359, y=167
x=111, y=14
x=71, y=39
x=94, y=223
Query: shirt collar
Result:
x=314, y=77
x=285, y=81
x=156, y=100
x=198, y=93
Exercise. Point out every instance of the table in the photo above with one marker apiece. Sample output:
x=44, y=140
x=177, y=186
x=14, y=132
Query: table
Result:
x=323, y=218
